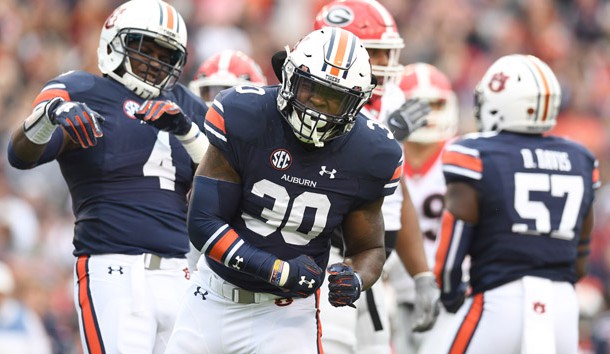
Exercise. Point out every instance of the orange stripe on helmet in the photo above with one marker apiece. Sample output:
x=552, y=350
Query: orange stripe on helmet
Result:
x=214, y=118
x=50, y=94
x=90, y=328
x=170, y=16
x=547, y=89
x=221, y=247
x=462, y=160
x=340, y=55
x=468, y=326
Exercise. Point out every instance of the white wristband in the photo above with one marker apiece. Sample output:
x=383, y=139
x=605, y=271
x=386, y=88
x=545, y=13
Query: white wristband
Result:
x=195, y=143
x=423, y=274
x=38, y=128
x=359, y=280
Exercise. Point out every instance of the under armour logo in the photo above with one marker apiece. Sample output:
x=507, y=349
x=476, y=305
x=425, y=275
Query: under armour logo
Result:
x=539, y=307
x=117, y=269
x=309, y=283
x=65, y=107
x=199, y=292
x=238, y=261
x=325, y=171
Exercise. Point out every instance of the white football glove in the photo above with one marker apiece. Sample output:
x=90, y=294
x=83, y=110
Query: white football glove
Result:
x=427, y=304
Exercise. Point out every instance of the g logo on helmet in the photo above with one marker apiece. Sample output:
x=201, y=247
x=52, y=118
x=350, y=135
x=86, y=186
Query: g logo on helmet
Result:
x=339, y=16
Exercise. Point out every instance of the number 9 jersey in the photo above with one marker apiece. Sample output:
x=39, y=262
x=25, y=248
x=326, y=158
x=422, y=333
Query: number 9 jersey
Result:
x=293, y=194
x=532, y=203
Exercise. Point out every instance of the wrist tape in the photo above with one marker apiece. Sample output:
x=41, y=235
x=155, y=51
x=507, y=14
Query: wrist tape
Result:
x=195, y=143
x=38, y=128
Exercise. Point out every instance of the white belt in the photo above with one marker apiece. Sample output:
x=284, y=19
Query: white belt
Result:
x=236, y=294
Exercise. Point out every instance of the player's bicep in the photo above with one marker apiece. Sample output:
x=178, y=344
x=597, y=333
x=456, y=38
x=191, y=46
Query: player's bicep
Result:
x=462, y=200
x=215, y=165
x=363, y=228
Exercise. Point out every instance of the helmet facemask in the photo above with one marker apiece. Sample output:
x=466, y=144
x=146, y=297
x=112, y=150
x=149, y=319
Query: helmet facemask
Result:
x=154, y=74
x=333, y=114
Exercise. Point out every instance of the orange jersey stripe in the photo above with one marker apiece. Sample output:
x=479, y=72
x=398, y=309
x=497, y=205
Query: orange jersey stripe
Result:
x=447, y=222
x=547, y=94
x=341, y=49
x=50, y=94
x=92, y=335
x=469, y=325
x=216, y=119
x=221, y=247
x=397, y=173
x=462, y=160
x=595, y=178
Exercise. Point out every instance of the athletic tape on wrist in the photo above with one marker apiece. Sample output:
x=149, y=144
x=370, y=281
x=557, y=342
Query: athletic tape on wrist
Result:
x=279, y=273
x=38, y=128
x=195, y=143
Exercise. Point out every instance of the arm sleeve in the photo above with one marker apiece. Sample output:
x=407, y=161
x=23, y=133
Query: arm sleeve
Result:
x=213, y=204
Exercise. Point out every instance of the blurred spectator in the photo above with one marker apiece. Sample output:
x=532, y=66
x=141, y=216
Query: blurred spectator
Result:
x=21, y=331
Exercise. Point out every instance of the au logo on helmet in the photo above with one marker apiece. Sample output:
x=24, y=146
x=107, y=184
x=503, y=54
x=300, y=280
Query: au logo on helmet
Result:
x=497, y=82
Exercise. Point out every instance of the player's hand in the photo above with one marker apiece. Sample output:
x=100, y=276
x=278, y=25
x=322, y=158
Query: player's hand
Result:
x=164, y=115
x=427, y=304
x=344, y=284
x=304, y=276
x=453, y=302
x=409, y=117
x=80, y=122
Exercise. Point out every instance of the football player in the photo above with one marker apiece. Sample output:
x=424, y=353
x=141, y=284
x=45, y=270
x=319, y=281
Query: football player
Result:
x=224, y=70
x=520, y=204
x=287, y=165
x=127, y=144
x=366, y=329
x=424, y=177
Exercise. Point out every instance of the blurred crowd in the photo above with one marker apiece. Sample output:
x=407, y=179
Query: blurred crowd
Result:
x=40, y=39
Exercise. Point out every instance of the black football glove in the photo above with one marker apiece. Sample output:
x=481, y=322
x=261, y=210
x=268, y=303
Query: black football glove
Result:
x=344, y=285
x=80, y=122
x=165, y=116
x=304, y=276
x=453, y=302
x=409, y=117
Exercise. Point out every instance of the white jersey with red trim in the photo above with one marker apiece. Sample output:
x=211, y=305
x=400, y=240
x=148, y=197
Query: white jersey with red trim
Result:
x=426, y=187
x=390, y=101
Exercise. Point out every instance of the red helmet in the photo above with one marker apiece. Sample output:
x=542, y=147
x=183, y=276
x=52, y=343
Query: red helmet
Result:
x=224, y=70
x=376, y=28
x=426, y=82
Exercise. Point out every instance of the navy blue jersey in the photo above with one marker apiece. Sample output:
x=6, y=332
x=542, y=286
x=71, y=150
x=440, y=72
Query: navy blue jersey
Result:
x=295, y=195
x=534, y=193
x=128, y=191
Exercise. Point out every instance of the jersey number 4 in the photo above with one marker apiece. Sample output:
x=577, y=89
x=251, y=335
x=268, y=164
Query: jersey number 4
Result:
x=558, y=186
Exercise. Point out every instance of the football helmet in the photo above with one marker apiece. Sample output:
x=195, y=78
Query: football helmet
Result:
x=427, y=83
x=518, y=93
x=124, y=49
x=326, y=79
x=226, y=69
x=376, y=28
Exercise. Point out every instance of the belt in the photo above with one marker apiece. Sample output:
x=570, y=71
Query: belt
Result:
x=152, y=261
x=236, y=294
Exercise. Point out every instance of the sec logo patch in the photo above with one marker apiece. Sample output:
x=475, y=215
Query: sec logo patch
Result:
x=280, y=159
